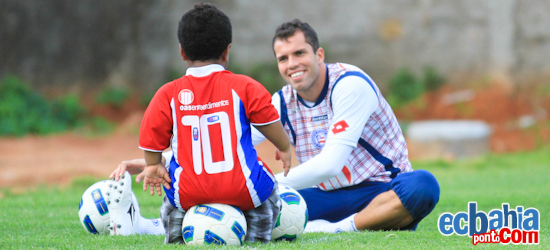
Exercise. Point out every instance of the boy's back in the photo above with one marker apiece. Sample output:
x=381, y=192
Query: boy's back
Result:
x=205, y=116
x=209, y=112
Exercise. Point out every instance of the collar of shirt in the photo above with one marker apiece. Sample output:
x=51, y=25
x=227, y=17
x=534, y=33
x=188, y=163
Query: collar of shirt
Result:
x=204, y=70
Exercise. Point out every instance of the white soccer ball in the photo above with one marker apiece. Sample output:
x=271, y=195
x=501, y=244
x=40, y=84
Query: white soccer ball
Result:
x=293, y=217
x=214, y=224
x=93, y=210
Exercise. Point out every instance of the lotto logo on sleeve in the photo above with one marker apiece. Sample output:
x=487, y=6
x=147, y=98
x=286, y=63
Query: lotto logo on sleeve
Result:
x=340, y=126
x=502, y=226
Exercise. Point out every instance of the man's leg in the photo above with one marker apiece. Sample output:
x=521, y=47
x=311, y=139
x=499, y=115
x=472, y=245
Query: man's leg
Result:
x=334, y=211
x=385, y=211
x=410, y=198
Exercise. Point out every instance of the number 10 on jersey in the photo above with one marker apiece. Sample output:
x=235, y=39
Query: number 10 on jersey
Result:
x=200, y=139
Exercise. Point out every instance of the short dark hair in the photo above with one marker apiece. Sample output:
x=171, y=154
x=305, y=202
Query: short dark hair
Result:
x=204, y=32
x=286, y=30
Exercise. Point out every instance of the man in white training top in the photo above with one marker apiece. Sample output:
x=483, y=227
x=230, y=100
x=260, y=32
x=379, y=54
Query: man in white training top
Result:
x=354, y=173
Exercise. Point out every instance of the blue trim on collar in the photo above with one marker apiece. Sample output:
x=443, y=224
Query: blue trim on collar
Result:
x=321, y=96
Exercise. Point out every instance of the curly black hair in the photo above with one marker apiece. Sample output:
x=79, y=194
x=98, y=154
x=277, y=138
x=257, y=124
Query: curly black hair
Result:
x=287, y=29
x=204, y=32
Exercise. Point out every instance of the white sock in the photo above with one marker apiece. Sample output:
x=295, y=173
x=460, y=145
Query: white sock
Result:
x=149, y=226
x=312, y=225
x=345, y=225
x=144, y=225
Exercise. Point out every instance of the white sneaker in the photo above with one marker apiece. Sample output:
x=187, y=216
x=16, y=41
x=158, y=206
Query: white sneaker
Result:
x=123, y=207
x=136, y=205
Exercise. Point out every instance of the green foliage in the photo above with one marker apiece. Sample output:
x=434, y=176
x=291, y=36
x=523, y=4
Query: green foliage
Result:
x=23, y=110
x=47, y=217
x=169, y=76
x=112, y=96
x=69, y=108
x=235, y=67
x=267, y=73
x=404, y=88
x=432, y=80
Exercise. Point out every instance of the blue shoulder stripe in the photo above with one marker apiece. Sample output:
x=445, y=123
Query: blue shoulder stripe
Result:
x=353, y=73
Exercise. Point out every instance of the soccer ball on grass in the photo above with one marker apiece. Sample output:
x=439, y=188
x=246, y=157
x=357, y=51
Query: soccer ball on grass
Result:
x=214, y=224
x=93, y=210
x=293, y=217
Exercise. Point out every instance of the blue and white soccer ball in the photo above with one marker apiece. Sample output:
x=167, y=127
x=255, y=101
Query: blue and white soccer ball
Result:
x=93, y=210
x=293, y=217
x=214, y=224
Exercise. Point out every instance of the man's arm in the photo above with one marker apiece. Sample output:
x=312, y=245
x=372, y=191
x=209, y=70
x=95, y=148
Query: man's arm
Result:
x=325, y=165
x=353, y=102
x=136, y=166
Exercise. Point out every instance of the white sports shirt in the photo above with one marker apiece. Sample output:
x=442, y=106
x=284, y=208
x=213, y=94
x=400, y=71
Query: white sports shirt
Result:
x=349, y=135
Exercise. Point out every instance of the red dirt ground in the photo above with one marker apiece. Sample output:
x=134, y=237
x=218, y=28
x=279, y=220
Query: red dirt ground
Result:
x=519, y=121
x=29, y=161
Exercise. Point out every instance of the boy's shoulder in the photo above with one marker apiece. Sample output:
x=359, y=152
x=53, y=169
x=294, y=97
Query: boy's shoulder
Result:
x=239, y=77
x=242, y=82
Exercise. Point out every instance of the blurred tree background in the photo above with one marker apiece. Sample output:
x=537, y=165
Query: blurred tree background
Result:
x=91, y=58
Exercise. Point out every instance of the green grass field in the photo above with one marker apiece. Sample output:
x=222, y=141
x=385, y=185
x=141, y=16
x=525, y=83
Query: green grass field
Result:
x=46, y=217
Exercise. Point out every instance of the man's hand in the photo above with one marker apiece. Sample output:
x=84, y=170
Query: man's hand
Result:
x=155, y=176
x=276, y=134
x=286, y=157
x=134, y=166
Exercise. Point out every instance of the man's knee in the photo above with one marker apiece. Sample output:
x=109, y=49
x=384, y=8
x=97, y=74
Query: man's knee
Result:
x=418, y=191
x=426, y=186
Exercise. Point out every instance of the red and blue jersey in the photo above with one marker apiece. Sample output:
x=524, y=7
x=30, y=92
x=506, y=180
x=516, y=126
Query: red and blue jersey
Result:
x=205, y=117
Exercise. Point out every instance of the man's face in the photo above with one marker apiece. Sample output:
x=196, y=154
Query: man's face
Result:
x=298, y=63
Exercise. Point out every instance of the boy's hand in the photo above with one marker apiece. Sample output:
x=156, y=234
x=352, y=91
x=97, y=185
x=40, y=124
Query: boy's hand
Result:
x=286, y=157
x=155, y=176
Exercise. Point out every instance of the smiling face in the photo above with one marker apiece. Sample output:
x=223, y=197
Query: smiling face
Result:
x=300, y=66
